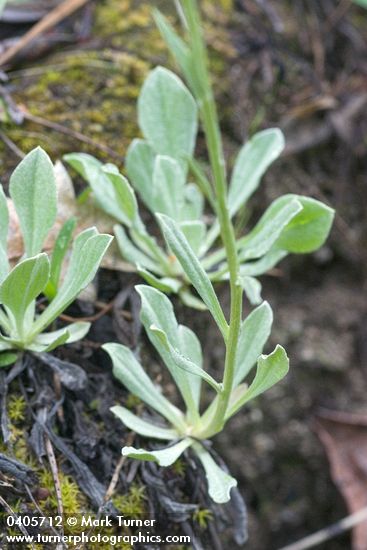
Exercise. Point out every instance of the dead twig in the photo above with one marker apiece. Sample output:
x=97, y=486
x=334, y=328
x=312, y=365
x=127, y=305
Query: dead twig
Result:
x=19, y=524
x=55, y=474
x=53, y=18
x=115, y=477
x=329, y=532
x=72, y=133
x=11, y=145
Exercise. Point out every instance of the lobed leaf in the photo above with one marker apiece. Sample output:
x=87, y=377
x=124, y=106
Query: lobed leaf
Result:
x=33, y=190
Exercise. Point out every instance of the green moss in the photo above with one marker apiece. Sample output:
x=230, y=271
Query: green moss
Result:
x=133, y=503
x=16, y=408
x=202, y=516
x=94, y=92
x=72, y=499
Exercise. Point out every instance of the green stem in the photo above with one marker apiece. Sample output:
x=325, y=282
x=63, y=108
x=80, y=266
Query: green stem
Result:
x=209, y=116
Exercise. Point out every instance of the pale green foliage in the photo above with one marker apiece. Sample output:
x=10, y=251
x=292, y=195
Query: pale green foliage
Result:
x=33, y=191
x=181, y=353
x=157, y=167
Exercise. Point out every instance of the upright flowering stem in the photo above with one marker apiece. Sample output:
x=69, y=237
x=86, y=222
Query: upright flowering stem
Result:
x=209, y=117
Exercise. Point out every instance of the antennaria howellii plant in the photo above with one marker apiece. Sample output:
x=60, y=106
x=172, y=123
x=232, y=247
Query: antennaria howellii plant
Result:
x=33, y=191
x=158, y=167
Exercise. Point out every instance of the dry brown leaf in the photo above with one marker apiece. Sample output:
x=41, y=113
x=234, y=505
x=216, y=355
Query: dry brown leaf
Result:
x=344, y=436
x=87, y=215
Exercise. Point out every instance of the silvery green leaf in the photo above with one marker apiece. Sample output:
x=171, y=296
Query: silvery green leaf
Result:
x=194, y=232
x=33, y=190
x=175, y=44
x=87, y=253
x=157, y=310
x=191, y=265
x=183, y=362
x=264, y=264
x=5, y=343
x=252, y=162
x=270, y=370
x=120, y=196
x=189, y=345
x=168, y=186
x=266, y=232
x=131, y=374
x=308, y=230
x=86, y=165
x=164, y=457
x=165, y=284
x=254, y=333
x=141, y=426
x=59, y=251
x=133, y=254
x=72, y=333
x=167, y=115
x=203, y=184
x=219, y=482
x=252, y=288
x=4, y=226
x=139, y=168
x=194, y=203
x=23, y=284
x=189, y=300
x=42, y=348
x=111, y=190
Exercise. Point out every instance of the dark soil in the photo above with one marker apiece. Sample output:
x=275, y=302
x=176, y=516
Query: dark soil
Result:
x=298, y=65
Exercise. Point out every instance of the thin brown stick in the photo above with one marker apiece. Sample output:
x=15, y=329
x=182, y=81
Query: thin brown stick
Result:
x=115, y=477
x=329, y=532
x=53, y=18
x=72, y=133
x=55, y=474
x=11, y=512
x=11, y=145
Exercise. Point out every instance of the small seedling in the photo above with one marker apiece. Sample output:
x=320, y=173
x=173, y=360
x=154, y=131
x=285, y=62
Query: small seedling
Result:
x=33, y=190
x=291, y=224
